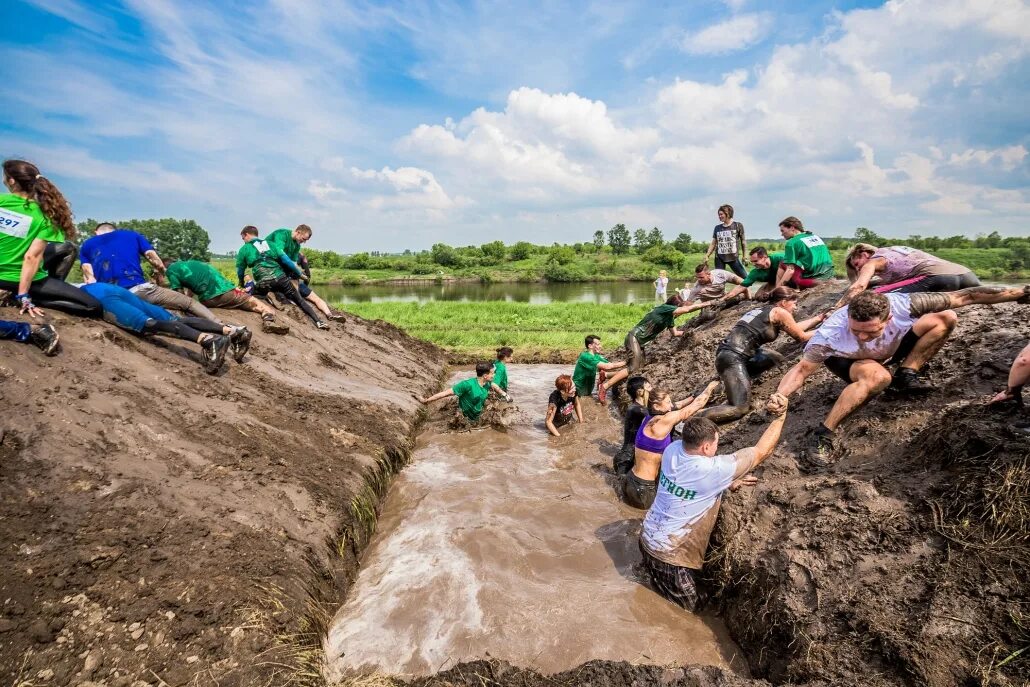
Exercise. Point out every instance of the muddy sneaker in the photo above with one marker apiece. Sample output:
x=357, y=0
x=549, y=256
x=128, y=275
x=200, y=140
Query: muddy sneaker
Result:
x=337, y=317
x=45, y=338
x=240, y=343
x=322, y=325
x=820, y=450
x=214, y=353
x=270, y=326
x=906, y=381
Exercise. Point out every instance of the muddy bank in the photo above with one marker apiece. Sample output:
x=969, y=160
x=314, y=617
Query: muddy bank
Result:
x=903, y=563
x=161, y=526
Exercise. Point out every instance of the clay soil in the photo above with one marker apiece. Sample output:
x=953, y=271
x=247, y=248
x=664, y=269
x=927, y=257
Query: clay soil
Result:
x=160, y=526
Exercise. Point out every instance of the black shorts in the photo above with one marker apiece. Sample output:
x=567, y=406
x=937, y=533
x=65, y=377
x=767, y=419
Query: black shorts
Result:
x=936, y=282
x=842, y=366
x=674, y=582
x=637, y=492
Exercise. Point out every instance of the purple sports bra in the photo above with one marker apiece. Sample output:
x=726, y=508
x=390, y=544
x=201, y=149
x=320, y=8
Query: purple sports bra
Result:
x=646, y=443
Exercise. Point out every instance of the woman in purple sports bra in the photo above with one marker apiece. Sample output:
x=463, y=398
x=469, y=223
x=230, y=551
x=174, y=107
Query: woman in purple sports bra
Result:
x=654, y=435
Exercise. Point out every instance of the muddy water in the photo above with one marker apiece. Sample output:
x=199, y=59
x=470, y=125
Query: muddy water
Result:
x=512, y=545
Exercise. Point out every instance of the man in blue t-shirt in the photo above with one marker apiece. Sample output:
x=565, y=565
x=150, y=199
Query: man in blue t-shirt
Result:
x=112, y=256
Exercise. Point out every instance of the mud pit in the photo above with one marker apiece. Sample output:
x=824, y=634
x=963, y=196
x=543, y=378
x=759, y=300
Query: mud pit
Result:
x=513, y=545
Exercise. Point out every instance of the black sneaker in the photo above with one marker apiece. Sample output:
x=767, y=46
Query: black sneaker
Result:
x=906, y=381
x=214, y=353
x=240, y=343
x=45, y=338
x=820, y=450
x=337, y=317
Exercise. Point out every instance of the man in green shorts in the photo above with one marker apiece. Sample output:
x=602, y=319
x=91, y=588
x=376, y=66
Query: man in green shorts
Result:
x=472, y=392
x=215, y=291
x=766, y=267
x=587, y=365
x=806, y=259
x=266, y=262
x=289, y=243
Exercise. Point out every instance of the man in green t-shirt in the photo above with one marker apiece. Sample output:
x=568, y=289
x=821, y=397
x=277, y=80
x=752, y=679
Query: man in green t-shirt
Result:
x=267, y=262
x=289, y=242
x=647, y=330
x=215, y=291
x=766, y=267
x=472, y=392
x=587, y=365
x=806, y=259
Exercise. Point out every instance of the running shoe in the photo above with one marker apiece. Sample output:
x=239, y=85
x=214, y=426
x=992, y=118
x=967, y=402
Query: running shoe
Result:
x=270, y=326
x=907, y=381
x=322, y=324
x=337, y=317
x=820, y=450
x=214, y=353
x=45, y=337
x=240, y=343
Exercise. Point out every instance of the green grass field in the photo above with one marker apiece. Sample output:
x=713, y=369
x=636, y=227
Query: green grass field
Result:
x=476, y=329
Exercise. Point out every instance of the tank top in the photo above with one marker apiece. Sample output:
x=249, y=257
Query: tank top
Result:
x=635, y=415
x=905, y=263
x=751, y=331
x=646, y=443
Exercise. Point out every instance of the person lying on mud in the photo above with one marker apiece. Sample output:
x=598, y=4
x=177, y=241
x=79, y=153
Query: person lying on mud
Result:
x=125, y=309
x=739, y=357
x=766, y=267
x=675, y=532
x=901, y=269
x=504, y=354
x=472, y=392
x=266, y=263
x=288, y=242
x=42, y=336
x=34, y=215
x=562, y=405
x=859, y=341
x=806, y=259
x=638, y=389
x=215, y=291
x=653, y=437
x=112, y=256
x=587, y=365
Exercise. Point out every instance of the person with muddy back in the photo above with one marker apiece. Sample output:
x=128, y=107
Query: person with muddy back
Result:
x=653, y=437
x=638, y=389
x=472, y=392
x=33, y=216
x=766, y=267
x=858, y=342
x=739, y=357
x=562, y=405
x=267, y=263
x=215, y=291
x=726, y=237
x=289, y=242
x=675, y=532
x=588, y=364
x=901, y=269
x=806, y=259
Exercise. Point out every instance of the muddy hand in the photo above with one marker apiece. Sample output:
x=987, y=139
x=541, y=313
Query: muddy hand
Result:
x=1002, y=396
x=27, y=307
x=777, y=404
x=745, y=481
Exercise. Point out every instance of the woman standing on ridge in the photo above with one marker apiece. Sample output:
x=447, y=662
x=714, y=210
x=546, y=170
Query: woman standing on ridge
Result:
x=727, y=237
x=32, y=215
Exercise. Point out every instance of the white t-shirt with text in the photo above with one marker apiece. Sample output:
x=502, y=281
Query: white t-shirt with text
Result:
x=835, y=338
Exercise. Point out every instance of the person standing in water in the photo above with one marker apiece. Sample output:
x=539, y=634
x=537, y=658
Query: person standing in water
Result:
x=472, y=392
x=675, y=532
x=589, y=362
x=653, y=437
x=638, y=390
x=501, y=368
x=740, y=357
x=562, y=405
x=661, y=285
x=726, y=238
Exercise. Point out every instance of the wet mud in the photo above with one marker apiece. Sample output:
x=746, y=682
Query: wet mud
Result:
x=512, y=545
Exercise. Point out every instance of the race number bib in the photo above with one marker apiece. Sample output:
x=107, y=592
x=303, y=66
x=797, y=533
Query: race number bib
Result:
x=14, y=223
x=751, y=315
x=261, y=247
x=726, y=241
x=812, y=241
x=904, y=250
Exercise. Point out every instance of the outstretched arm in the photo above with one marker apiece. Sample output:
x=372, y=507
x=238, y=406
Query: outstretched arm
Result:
x=156, y=262
x=501, y=392
x=436, y=397
x=736, y=291
x=666, y=422
x=764, y=448
x=791, y=382
x=799, y=331
x=861, y=283
x=1018, y=376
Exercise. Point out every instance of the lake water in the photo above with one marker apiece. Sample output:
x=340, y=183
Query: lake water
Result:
x=598, y=292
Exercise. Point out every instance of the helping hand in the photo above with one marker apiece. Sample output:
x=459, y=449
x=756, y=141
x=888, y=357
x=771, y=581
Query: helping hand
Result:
x=745, y=481
x=777, y=404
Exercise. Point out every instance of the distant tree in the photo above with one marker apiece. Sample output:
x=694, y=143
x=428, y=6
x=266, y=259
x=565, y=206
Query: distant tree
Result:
x=444, y=255
x=619, y=239
x=640, y=240
x=358, y=261
x=494, y=250
x=182, y=239
x=563, y=255
x=683, y=243
x=992, y=240
x=598, y=240
x=957, y=241
x=521, y=250
x=666, y=255
x=655, y=238
x=863, y=235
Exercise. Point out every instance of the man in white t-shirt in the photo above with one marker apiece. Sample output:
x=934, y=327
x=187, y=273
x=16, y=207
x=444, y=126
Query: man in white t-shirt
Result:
x=676, y=529
x=710, y=286
x=874, y=330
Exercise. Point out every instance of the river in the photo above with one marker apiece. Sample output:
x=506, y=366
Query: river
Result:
x=537, y=293
x=512, y=545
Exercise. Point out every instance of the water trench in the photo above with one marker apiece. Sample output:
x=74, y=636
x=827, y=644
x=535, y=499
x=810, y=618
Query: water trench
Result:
x=513, y=545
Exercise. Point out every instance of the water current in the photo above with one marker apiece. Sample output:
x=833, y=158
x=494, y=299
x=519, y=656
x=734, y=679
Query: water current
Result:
x=513, y=545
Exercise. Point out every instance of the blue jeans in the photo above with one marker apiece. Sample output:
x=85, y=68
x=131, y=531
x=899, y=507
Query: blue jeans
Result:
x=19, y=331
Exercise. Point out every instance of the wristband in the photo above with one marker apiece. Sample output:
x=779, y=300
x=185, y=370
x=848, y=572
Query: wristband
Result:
x=23, y=298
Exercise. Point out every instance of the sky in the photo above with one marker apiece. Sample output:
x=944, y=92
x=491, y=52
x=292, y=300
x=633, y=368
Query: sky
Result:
x=387, y=126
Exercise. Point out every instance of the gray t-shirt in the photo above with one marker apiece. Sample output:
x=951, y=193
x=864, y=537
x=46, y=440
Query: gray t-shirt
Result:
x=727, y=240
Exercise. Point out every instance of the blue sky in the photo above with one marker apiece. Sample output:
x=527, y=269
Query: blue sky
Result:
x=397, y=125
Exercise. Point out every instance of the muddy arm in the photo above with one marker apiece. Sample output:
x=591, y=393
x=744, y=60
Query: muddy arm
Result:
x=500, y=391
x=861, y=282
x=764, y=448
x=436, y=397
x=793, y=380
x=549, y=420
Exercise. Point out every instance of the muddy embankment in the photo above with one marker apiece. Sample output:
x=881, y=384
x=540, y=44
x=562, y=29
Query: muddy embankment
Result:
x=903, y=563
x=160, y=526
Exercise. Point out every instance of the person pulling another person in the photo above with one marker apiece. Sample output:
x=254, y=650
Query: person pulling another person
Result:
x=638, y=390
x=675, y=532
x=726, y=237
x=267, y=263
x=587, y=365
x=858, y=342
x=806, y=259
x=215, y=291
x=289, y=242
x=562, y=405
x=710, y=287
x=472, y=392
x=766, y=267
x=653, y=437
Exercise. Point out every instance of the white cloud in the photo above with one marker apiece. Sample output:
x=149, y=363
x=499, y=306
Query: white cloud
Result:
x=736, y=33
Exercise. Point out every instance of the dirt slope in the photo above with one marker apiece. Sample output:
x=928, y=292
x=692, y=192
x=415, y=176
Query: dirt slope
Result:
x=161, y=526
x=903, y=563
